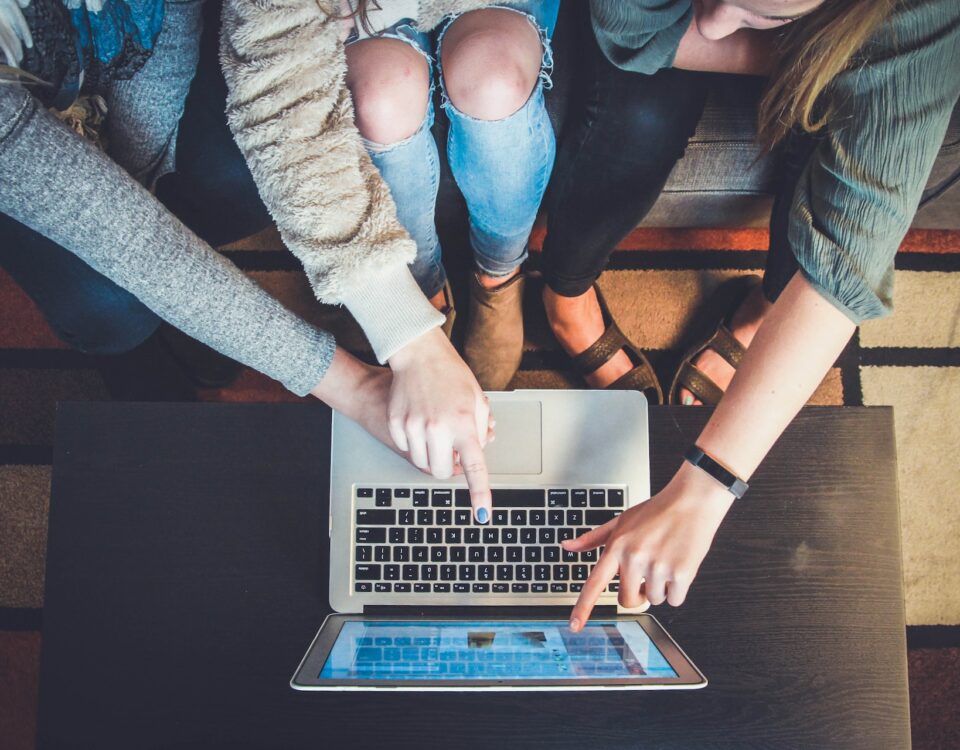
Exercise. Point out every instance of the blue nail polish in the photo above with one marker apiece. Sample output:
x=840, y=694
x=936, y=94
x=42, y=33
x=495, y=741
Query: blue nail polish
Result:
x=687, y=400
x=482, y=515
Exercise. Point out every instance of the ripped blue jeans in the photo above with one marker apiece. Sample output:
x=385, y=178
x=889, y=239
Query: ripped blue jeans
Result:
x=501, y=166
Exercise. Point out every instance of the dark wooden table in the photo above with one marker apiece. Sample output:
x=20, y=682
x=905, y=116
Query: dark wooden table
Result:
x=186, y=576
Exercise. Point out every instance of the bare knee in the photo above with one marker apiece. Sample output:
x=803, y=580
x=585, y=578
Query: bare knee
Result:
x=491, y=62
x=390, y=85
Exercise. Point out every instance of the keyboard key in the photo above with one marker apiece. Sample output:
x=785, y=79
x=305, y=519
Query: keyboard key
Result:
x=557, y=498
x=485, y=572
x=504, y=572
x=461, y=517
x=371, y=536
x=532, y=554
x=556, y=517
x=441, y=588
x=448, y=572
x=471, y=535
x=364, y=491
x=401, y=554
x=524, y=572
x=615, y=498
x=434, y=536
x=481, y=588
x=491, y=536
x=397, y=535
x=451, y=536
x=519, y=498
x=598, y=498
x=528, y=536
x=565, y=533
x=391, y=572
x=406, y=517
x=461, y=588
x=461, y=498
x=574, y=518
x=520, y=588
x=411, y=572
x=501, y=517
x=415, y=536
x=589, y=555
x=376, y=517
x=476, y=554
x=401, y=588
x=363, y=587
x=420, y=553
x=420, y=498
x=438, y=554
x=578, y=499
x=541, y=572
x=558, y=588
x=561, y=572
x=598, y=517
x=367, y=572
x=444, y=517
x=381, y=553
x=467, y=572
x=384, y=497
x=614, y=586
x=551, y=554
x=363, y=553
x=429, y=573
x=514, y=554
x=495, y=554
x=509, y=536
x=567, y=556
x=424, y=517
x=458, y=554
x=518, y=518
x=421, y=588
x=579, y=572
x=576, y=588
x=538, y=588
x=501, y=588
x=442, y=498
x=547, y=536
x=538, y=517
x=401, y=493
x=382, y=588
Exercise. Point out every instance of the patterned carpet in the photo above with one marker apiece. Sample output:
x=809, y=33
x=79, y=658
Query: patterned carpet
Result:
x=655, y=281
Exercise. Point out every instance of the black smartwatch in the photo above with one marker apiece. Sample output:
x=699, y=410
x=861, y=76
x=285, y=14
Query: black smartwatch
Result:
x=727, y=478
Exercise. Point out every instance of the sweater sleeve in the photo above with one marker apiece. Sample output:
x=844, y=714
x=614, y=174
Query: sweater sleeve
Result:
x=640, y=35
x=858, y=193
x=291, y=113
x=122, y=231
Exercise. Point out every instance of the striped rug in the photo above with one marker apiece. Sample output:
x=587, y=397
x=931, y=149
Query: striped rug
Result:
x=653, y=285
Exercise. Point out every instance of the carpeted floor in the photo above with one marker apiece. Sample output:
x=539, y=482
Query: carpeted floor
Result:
x=911, y=360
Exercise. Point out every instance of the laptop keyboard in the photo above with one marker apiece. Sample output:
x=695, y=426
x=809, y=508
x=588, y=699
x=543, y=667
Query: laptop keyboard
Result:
x=410, y=540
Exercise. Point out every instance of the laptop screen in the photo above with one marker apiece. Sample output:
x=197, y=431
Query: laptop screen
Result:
x=484, y=650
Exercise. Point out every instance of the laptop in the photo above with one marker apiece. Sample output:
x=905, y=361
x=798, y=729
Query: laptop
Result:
x=426, y=598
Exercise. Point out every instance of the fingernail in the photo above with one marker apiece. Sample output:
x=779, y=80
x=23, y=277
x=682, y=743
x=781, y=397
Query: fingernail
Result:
x=574, y=623
x=483, y=515
x=687, y=400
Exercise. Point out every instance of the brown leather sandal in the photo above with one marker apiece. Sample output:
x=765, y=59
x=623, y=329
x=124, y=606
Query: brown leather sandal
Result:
x=640, y=378
x=723, y=304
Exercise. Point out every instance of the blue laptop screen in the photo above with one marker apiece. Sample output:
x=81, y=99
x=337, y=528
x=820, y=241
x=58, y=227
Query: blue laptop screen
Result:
x=483, y=650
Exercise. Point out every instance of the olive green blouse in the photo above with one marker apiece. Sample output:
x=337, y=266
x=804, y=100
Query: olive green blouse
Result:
x=859, y=192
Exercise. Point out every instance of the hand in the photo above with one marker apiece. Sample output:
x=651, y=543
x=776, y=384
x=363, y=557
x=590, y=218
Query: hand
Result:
x=14, y=32
x=438, y=413
x=657, y=546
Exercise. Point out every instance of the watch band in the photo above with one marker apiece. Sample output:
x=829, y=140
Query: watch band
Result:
x=727, y=478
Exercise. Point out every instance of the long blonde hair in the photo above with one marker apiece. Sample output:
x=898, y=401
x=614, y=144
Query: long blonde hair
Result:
x=812, y=52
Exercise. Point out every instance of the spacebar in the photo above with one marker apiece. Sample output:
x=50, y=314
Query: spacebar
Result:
x=508, y=498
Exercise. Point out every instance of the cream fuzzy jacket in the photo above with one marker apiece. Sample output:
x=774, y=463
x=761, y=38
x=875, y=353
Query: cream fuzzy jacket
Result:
x=291, y=113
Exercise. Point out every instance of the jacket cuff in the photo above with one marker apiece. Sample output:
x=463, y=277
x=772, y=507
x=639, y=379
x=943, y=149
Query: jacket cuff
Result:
x=391, y=310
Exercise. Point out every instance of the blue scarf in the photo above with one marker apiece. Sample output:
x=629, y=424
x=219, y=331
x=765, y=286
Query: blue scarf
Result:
x=119, y=27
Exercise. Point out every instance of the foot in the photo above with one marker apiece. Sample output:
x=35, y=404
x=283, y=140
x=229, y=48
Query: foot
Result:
x=744, y=325
x=577, y=323
x=493, y=344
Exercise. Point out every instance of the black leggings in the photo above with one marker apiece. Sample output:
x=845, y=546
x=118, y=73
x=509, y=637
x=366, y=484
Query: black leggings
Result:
x=627, y=131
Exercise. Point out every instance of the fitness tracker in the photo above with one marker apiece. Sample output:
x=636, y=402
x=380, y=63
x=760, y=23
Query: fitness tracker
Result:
x=727, y=478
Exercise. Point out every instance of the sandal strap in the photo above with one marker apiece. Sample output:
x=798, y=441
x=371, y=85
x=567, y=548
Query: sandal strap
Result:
x=724, y=343
x=698, y=384
x=600, y=351
x=640, y=378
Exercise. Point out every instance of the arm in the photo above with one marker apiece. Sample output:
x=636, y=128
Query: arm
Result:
x=665, y=539
x=747, y=51
x=292, y=116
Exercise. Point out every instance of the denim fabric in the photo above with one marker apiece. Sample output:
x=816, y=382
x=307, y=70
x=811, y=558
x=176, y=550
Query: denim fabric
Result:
x=502, y=167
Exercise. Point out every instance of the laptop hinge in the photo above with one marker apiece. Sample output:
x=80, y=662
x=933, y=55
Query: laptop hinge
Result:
x=547, y=612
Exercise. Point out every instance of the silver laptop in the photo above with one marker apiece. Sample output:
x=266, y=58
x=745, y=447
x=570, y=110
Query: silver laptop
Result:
x=404, y=545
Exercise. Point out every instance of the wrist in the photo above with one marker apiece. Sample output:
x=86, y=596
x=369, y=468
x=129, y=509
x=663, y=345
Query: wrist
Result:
x=344, y=380
x=701, y=488
x=423, y=348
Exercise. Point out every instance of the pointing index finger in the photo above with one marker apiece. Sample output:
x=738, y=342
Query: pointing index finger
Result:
x=474, y=465
x=602, y=574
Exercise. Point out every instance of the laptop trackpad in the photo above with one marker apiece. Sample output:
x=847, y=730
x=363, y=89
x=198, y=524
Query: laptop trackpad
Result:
x=517, y=449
